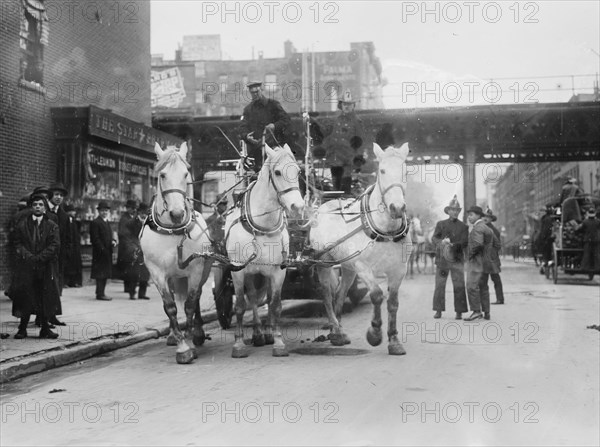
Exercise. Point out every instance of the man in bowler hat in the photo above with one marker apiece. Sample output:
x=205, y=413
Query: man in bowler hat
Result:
x=481, y=241
x=102, y=247
x=450, y=238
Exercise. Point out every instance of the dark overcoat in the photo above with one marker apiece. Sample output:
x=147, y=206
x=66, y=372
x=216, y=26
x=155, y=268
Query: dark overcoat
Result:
x=135, y=270
x=125, y=250
x=36, y=260
x=101, y=238
x=73, y=264
x=343, y=141
x=495, y=253
x=62, y=218
x=256, y=116
x=458, y=233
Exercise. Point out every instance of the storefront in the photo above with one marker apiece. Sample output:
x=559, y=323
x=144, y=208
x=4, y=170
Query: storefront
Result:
x=104, y=157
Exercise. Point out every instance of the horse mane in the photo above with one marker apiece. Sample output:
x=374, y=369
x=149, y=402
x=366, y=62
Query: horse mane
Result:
x=171, y=156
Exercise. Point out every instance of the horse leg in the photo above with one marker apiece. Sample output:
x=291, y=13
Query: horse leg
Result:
x=258, y=338
x=276, y=283
x=324, y=288
x=341, y=292
x=239, y=348
x=198, y=335
x=394, y=281
x=269, y=339
x=418, y=257
x=374, y=335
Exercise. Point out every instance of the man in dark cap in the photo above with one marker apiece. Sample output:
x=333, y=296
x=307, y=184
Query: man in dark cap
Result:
x=481, y=239
x=135, y=271
x=102, y=247
x=126, y=249
x=263, y=115
x=36, y=285
x=450, y=238
x=489, y=218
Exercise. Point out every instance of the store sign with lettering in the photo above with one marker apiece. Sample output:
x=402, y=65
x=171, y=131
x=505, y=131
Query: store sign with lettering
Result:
x=107, y=160
x=110, y=126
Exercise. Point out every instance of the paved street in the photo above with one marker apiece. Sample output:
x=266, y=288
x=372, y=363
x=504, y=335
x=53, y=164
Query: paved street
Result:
x=528, y=376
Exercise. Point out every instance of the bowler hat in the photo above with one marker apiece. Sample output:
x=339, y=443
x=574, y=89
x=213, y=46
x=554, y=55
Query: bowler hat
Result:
x=103, y=205
x=143, y=208
x=476, y=209
x=254, y=84
x=41, y=190
x=131, y=204
x=490, y=214
x=58, y=187
x=453, y=205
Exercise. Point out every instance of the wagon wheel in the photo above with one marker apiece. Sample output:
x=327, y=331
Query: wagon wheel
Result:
x=555, y=268
x=224, y=303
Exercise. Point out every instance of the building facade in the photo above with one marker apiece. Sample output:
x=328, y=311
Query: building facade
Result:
x=65, y=63
x=300, y=81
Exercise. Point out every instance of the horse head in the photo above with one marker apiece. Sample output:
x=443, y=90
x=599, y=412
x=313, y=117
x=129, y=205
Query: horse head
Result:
x=172, y=170
x=283, y=171
x=391, y=178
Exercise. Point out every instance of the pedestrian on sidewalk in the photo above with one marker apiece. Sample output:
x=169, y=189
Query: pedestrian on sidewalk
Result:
x=450, y=238
x=102, y=247
x=73, y=262
x=126, y=249
x=495, y=253
x=591, y=241
x=36, y=290
x=56, y=197
x=135, y=270
x=479, y=265
x=10, y=227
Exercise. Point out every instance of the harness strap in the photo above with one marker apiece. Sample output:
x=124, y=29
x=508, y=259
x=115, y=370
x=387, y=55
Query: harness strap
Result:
x=371, y=230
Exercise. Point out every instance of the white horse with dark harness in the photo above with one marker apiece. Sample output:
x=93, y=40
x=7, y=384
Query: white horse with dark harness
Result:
x=366, y=236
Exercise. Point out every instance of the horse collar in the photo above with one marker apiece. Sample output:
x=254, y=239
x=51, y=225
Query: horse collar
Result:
x=369, y=226
x=250, y=225
x=187, y=226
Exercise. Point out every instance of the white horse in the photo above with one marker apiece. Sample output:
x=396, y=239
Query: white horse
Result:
x=367, y=236
x=256, y=235
x=171, y=240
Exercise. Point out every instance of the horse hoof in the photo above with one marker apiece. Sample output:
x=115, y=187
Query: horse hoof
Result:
x=185, y=357
x=280, y=351
x=374, y=337
x=171, y=340
x=239, y=352
x=269, y=339
x=338, y=339
x=258, y=340
x=199, y=339
x=396, y=349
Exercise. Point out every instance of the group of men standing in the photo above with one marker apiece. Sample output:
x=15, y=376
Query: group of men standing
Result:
x=479, y=248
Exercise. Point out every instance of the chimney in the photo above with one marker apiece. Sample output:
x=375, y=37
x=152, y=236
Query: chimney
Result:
x=288, y=48
x=260, y=55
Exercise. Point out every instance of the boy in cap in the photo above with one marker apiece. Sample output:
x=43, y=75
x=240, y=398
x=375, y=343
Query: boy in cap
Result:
x=263, y=115
x=450, y=238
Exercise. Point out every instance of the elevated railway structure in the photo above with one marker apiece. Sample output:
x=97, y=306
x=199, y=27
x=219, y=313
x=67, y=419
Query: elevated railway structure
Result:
x=519, y=133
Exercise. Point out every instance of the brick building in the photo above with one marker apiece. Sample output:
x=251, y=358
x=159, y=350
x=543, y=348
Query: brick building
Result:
x=299, y=81
x=82, y=59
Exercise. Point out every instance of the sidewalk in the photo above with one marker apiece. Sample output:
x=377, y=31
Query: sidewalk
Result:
x=94, y=327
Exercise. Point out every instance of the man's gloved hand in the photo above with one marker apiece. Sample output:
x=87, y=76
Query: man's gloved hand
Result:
x=250, y=138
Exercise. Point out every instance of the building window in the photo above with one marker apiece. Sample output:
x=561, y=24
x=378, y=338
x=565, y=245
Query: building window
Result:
x=33, y=37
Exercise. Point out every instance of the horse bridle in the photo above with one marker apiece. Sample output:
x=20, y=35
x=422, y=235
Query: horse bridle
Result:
x=281, y=193
x=383, y=192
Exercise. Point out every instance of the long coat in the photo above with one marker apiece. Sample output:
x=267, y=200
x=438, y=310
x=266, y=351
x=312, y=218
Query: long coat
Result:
x=458, y=233
x=73, y=264
x=101, y=238
x=481, y=246
x=135, y=270
x=34, y=261
x=343, y=141
x=62, y=219
x=495, y=253
x=125, y=251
